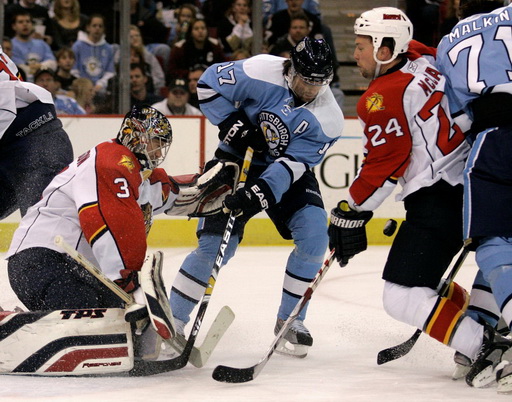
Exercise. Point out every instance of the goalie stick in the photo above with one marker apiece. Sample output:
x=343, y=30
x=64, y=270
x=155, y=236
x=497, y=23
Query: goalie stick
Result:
x=238, y=375
x=398, y=351
x=198, y=355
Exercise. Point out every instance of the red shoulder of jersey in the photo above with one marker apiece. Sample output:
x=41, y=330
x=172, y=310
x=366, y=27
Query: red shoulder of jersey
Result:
x=387, y=132
x=117, y=211
x=418, y=49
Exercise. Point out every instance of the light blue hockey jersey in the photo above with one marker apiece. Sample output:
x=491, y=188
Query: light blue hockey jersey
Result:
x=297, y=137
x=476, y=58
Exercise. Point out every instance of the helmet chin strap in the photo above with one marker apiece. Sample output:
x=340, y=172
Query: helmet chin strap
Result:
x=377, y=70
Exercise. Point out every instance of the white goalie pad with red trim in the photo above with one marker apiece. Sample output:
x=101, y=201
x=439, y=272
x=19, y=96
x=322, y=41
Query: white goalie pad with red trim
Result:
x=91, y=341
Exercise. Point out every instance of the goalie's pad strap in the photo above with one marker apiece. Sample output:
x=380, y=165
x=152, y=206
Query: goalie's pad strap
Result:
x=443, y=320
x=151, y=282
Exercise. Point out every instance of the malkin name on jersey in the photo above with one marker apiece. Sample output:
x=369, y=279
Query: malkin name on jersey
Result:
x=477, y=25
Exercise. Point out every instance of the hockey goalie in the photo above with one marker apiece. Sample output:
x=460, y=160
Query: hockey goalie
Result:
x=79, y=261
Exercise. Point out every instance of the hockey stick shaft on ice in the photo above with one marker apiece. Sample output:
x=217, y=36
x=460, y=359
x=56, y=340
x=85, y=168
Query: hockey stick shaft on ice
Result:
x=398, y=351
x=238, y=375
x=182, y=360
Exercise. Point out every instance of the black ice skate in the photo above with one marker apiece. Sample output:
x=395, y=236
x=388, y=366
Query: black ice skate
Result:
x=296, y=341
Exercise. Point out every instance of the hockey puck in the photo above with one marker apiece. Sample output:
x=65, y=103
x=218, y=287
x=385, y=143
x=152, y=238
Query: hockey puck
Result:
x=390, y=228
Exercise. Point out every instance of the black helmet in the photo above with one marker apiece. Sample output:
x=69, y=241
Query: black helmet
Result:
x=312, y=61
x=140, y=126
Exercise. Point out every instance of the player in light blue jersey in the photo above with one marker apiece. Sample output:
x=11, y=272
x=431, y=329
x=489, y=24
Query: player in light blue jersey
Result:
x=476, y=58
x=284, y=109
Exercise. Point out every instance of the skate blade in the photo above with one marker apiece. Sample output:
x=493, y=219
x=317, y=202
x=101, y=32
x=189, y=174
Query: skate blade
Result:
x=289, y=349
x=486, y=378
x=460, y=372
x=505, y=385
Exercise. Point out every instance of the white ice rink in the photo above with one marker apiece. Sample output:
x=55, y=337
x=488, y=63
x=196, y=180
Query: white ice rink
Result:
x=345, y=318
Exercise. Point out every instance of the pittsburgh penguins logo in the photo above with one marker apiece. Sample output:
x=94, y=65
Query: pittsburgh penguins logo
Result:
x=276, y=133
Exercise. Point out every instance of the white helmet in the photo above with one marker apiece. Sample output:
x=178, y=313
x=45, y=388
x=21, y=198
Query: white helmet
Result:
x=385, y=22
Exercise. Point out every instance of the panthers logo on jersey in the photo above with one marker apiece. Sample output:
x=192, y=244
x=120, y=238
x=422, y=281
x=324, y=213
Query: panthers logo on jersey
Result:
x=276, y=133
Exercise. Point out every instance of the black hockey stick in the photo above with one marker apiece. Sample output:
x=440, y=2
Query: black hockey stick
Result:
x=143, y=368
x=237, y=375
x=398, y=351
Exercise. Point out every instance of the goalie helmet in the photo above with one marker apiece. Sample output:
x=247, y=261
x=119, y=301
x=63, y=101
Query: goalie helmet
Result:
x=312, y=61
x=385, y=22
x=147, y=133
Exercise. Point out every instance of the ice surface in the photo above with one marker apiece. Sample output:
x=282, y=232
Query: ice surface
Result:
x=345, y=318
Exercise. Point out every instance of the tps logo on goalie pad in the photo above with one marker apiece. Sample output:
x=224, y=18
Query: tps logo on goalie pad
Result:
x=66, y=342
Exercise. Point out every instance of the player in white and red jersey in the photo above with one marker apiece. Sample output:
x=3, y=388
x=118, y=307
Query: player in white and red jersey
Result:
x=409, y=138
x=102, y=204
x=33, y=145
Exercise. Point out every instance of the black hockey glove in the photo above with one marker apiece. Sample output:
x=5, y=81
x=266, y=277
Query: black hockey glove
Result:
x=238, y=132
x=250, y=200
x=347, y=232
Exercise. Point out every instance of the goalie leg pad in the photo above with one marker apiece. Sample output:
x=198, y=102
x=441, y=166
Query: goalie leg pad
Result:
x=152, y=284
x=74, y=342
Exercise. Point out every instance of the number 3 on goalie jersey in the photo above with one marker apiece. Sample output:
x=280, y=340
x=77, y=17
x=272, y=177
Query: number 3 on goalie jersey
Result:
x=123, y=187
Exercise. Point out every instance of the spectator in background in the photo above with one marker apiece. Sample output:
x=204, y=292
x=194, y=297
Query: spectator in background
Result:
x=66, y=23
x=197, y=48
x=194, y=74
x=65, y=62
x=143, y=15
x=240, y=54
x=299, y=28
x=83, y=88
x=139, y=93
x=153, y=66
x=40, y=19
x=213, y=11
x=64, y=104
x=273, y=6
x=7, y=49
x=94, y=56
x=279, y=22
x=234, y=29
x=176, y=103
x=28, y=53
x=179, y=22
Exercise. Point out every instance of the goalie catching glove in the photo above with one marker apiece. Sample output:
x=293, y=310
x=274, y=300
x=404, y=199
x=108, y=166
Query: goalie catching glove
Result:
x=202, y=195
x=347, y=232
x=250, y=200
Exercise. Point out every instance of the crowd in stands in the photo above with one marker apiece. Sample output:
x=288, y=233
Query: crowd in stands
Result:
x=71, y=47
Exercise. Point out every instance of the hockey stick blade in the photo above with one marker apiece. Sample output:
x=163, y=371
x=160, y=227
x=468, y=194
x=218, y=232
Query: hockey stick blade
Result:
x=197, y=356
x=239, y=375
x=235, y=375
x=398, y=351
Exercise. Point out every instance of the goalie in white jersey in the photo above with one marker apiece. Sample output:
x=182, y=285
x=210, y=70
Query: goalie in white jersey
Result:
x=411, y=139
x=103, y=205
x=33, y=145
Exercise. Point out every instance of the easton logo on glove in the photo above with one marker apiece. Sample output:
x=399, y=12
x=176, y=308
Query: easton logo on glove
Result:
x=233, y=131
x=261, y=196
